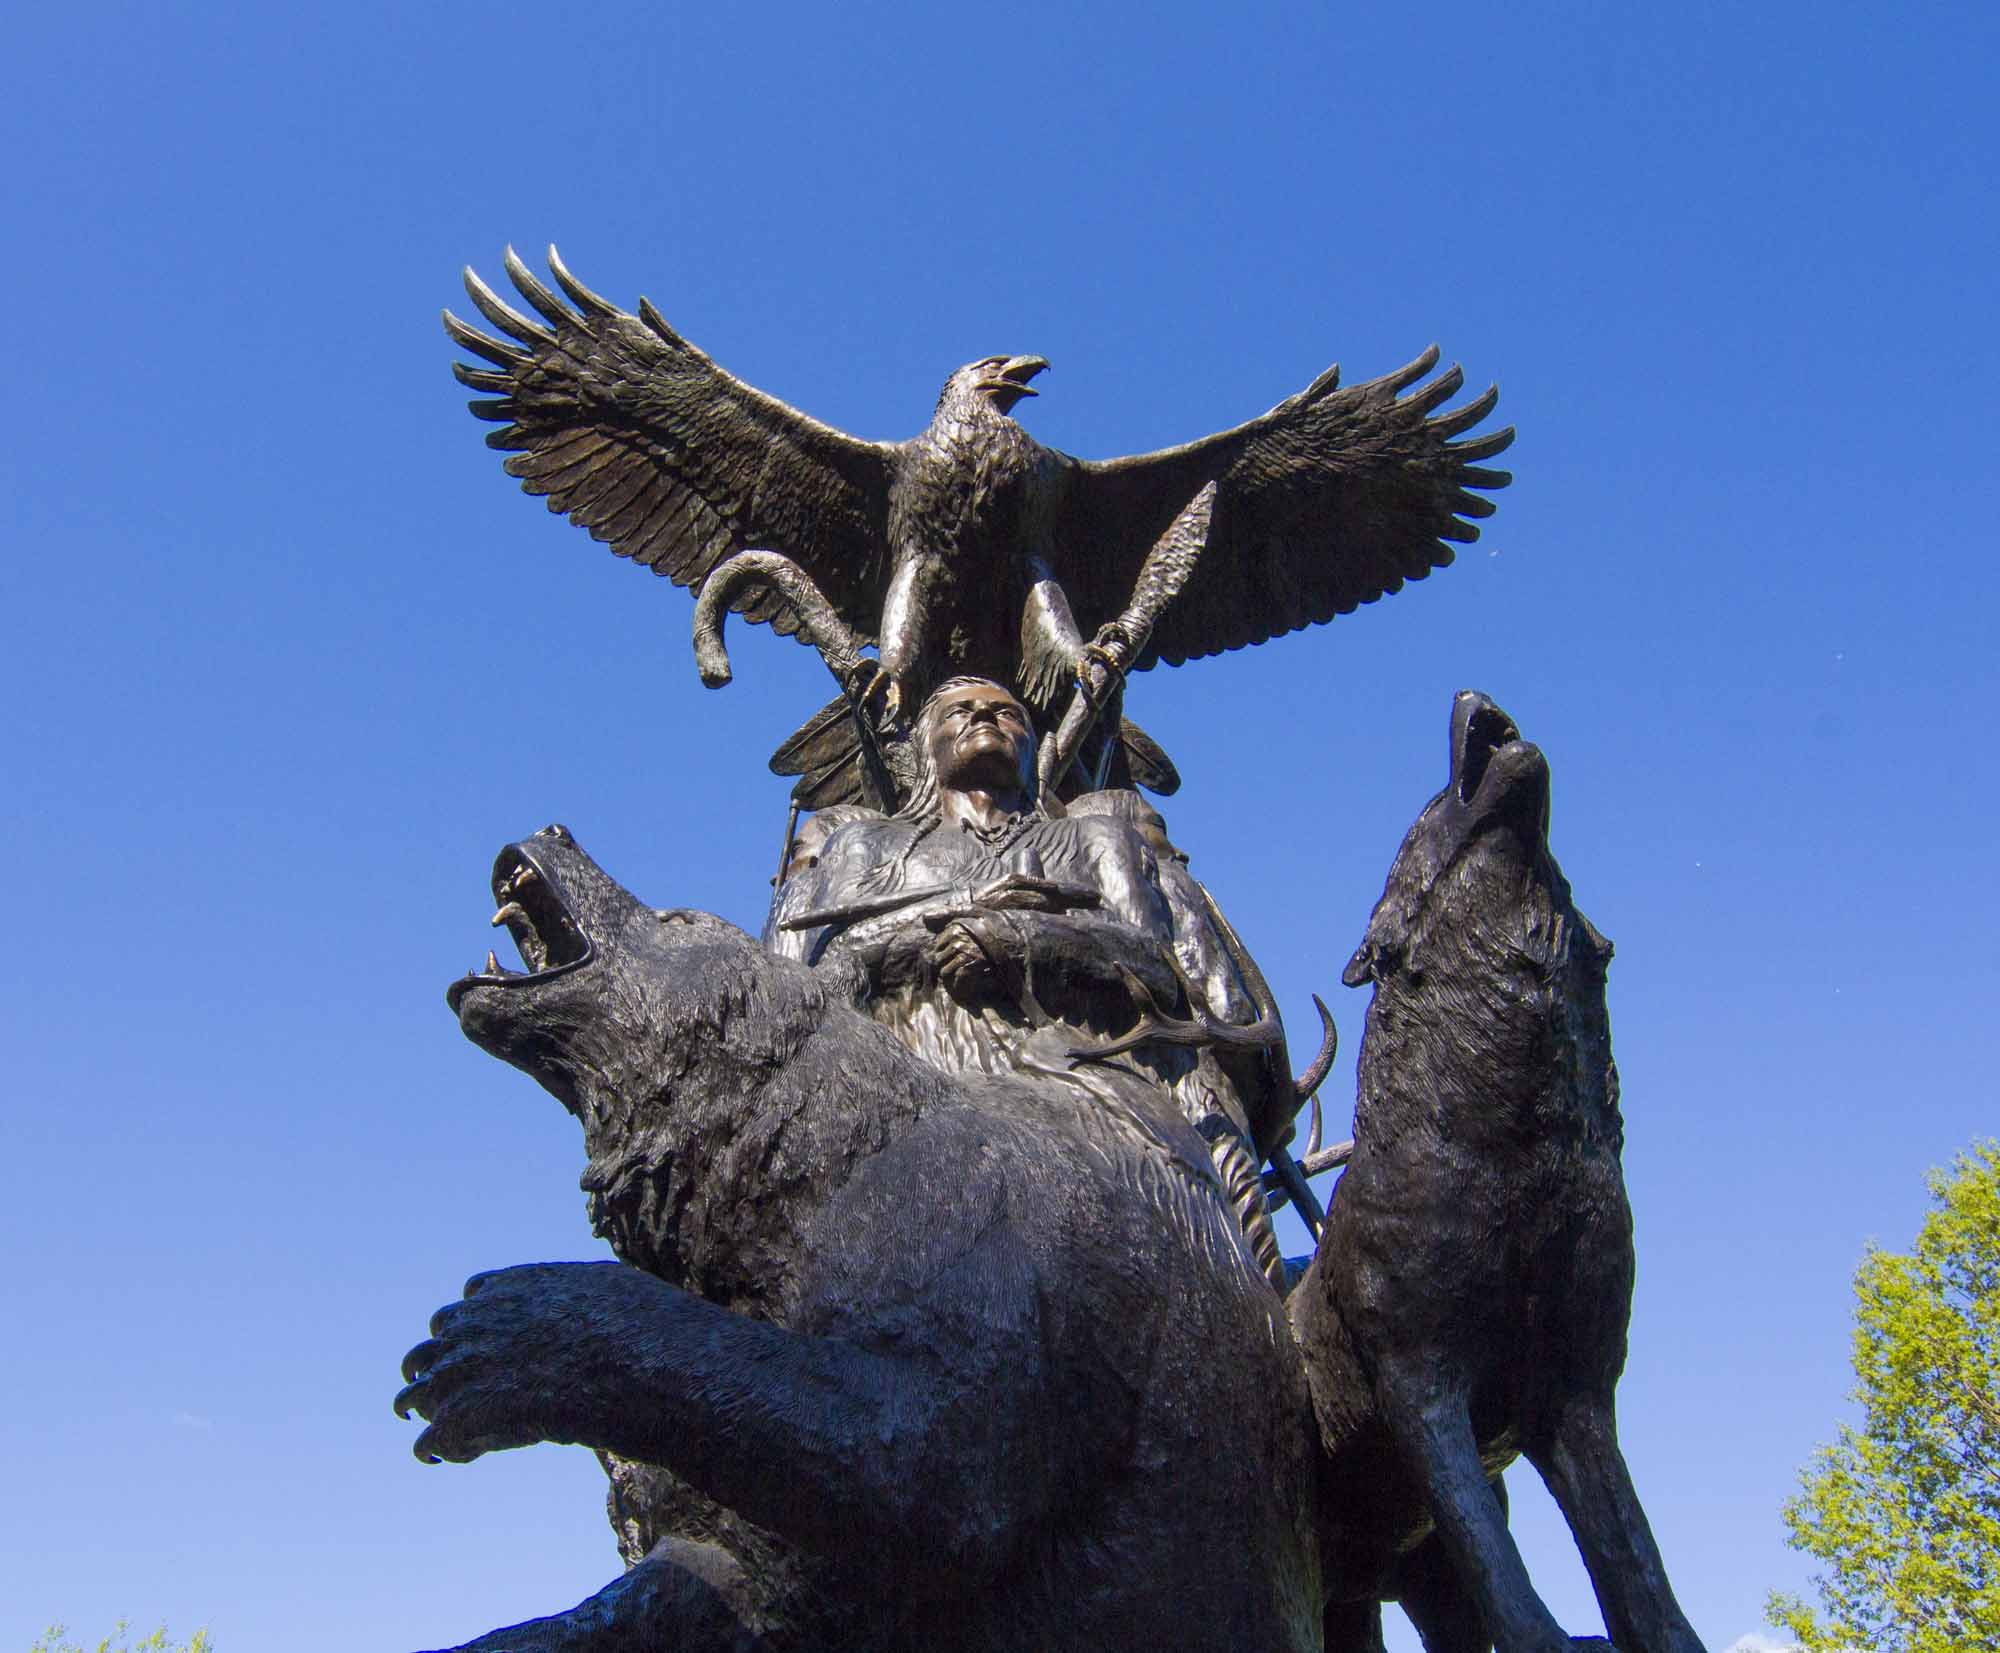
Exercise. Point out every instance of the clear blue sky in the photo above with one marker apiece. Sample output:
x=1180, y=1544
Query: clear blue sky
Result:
x=288, y=658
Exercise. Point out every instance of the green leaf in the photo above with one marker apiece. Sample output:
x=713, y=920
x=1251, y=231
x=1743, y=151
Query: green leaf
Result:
x=55, y=1639
x=1904, y=1510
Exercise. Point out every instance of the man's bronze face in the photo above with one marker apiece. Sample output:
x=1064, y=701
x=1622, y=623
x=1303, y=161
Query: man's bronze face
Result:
x=979, y=738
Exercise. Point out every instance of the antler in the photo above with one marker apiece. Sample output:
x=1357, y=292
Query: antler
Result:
x=1290, y=1178
x=1287, y=1180
x=836, y=641
x=1159, y=1025
x=858, y=675
x=1308, y=1083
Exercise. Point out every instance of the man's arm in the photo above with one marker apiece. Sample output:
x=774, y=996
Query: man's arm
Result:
x=1075, y=967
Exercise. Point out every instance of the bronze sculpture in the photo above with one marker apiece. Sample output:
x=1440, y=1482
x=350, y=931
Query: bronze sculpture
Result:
x=949, y=1311
x=970, y=548
x=1469, y=1295
x=996, y=938
x=952, y=1342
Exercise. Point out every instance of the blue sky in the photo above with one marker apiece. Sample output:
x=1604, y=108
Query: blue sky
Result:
x=289, y=658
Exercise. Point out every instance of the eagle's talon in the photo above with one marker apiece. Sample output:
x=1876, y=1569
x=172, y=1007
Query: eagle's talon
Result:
x=872, y=680
x=1115, y=644
x=1098, y=687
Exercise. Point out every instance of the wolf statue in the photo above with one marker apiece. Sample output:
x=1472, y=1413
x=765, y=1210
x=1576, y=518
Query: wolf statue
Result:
x=1469, y=1296
x=910, y=1353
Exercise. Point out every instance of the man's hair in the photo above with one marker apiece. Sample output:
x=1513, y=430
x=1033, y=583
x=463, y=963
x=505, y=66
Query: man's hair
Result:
x=922, y=803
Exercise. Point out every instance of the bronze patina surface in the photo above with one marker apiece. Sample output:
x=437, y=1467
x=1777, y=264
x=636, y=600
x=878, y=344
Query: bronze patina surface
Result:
x=948, y=1311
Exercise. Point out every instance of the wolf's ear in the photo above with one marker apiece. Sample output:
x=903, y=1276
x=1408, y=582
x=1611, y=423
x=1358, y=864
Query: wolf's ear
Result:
x=1360, y=969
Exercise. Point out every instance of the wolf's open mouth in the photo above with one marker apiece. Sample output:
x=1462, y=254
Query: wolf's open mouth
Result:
x=532, y=910
x=1486, y=731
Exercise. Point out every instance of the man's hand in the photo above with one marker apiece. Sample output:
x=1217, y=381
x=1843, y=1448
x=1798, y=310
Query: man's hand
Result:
x=1111, y=651
x=962, y=962
x=1020, y=891
x=980, y=953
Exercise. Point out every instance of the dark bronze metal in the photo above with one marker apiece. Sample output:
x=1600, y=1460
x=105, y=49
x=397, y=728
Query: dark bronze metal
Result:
x=1102, y=664
x=1469, y=1296
x=896, y=1357
x=914, y=1308
x=1332, y=499
x=1016, y=891
x=948, y=1310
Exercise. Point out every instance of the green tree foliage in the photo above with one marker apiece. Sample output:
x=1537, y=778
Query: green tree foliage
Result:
x=55, y=1639
x=1905, y=1510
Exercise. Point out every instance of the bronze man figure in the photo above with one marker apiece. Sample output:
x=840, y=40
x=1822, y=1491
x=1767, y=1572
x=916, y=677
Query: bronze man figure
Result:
x=997, y=938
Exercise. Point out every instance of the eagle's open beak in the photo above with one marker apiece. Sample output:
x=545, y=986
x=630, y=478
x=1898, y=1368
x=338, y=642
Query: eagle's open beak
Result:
x=1016, y=374
x=1023, y=368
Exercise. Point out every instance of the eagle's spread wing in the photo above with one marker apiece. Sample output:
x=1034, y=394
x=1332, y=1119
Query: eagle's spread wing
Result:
x=672, y=462
x=1332, y=499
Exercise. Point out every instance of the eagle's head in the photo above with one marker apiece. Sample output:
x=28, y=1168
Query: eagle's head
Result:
x=997, y=382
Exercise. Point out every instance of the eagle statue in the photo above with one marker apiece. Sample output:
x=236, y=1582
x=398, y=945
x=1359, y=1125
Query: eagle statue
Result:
x=970, y=548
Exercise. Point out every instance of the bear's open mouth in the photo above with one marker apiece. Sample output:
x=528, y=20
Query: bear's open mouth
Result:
x=531, y=908
x=1485, y=732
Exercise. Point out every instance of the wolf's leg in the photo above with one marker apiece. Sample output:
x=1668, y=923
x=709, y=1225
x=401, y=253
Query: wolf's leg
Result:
x=1432, y=1430
x=1587, y=1476
x=1353, y=1627
x=915, y=1470
x=1430, y=1592
x=683, y=1595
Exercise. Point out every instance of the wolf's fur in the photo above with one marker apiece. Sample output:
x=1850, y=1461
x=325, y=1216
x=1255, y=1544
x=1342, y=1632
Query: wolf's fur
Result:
x=1471, y=1289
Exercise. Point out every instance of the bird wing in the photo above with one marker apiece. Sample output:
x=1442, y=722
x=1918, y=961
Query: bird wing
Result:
x=1332, y=499
x=640, y=438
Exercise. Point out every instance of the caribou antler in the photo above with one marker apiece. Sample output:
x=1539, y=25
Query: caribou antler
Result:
x=1308, y=1083
x=1156, y=1023
x=1159, y=1025
x=838, y=644
x=1288, y=1181
x=858, y=675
